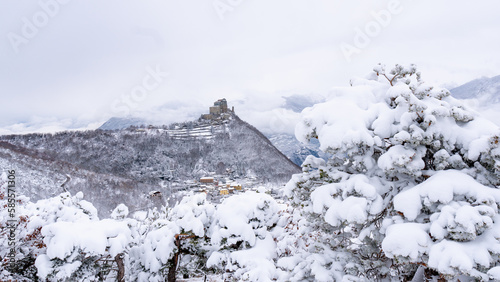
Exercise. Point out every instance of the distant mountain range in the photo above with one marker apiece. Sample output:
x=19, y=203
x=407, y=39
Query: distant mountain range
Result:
x=296, y=151
x=485, y=89
x=483, y=95
x=116, y=123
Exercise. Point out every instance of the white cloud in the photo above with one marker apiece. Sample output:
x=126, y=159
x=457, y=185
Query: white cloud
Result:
x=92, y=53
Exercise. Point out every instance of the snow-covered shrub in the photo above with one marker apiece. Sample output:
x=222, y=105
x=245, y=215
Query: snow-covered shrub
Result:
x=76, y=239
x=153, y=257
x=61, y=239
x=194, y=216
x=317, y=241
x=17, y=261
x=453, y=223
x=75, y=248
x=242, y=239
x=392, y=195
x=120, y=212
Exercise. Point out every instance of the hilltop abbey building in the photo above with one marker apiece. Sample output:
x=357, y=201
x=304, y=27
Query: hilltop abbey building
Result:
x=218, y=111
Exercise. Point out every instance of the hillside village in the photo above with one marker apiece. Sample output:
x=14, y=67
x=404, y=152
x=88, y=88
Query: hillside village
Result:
x=215, y=186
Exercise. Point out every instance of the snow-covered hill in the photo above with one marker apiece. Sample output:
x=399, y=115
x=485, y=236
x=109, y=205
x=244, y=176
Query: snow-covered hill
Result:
x=286, y=143
x=39, y=176
x=115, y=123
x=116, y=166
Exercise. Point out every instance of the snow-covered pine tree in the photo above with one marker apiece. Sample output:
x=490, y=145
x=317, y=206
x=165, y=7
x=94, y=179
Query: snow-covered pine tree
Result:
x=152, y=257
x=79, y=245
x=20, y=244
x=243, y=244
x=194, y=216
x=412, y=184
x=60, y=239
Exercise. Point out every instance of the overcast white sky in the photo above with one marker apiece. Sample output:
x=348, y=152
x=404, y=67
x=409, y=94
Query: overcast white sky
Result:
x=71, y=63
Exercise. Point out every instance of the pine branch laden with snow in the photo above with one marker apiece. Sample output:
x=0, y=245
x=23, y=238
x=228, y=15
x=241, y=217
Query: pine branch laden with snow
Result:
x=452, y=221
x=241, y=237
x=412, y=181
x=28, y=239
x=61, y=238
x=153, y=257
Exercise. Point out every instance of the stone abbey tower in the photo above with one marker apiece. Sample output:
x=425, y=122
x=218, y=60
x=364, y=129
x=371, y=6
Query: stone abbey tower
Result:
x=218, y=110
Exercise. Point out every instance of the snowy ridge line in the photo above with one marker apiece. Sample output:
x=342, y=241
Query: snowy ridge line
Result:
x=140, y=153
x=268, y=142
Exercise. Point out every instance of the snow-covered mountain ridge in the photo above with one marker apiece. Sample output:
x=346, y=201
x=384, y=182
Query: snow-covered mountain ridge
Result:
x=485, y=89
x=115, y=123
x=285, y=142
x=483, y=95
x=134, y=159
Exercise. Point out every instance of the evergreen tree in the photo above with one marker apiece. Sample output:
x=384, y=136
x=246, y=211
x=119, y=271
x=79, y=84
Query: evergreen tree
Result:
x=411, y=182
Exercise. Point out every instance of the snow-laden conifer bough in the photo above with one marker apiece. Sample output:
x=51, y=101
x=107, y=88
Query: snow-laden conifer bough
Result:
x=410, y=192
x=412, y=184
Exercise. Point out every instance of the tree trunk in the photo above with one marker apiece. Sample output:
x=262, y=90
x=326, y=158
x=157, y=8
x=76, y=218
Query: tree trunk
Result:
x=121, y=268
x=173, y=269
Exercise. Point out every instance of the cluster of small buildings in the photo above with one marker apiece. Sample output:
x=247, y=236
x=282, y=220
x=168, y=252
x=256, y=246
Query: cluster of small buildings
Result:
x=216, y=186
